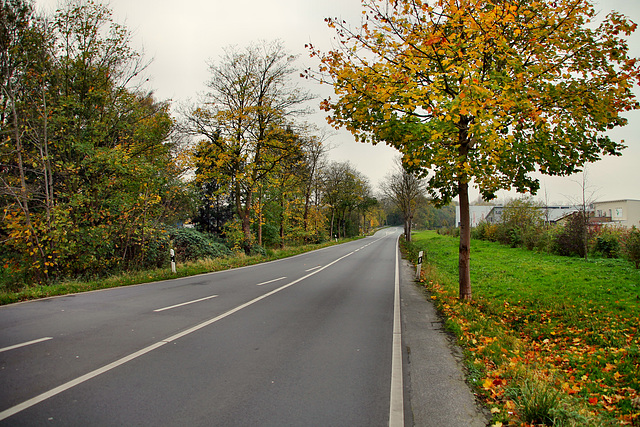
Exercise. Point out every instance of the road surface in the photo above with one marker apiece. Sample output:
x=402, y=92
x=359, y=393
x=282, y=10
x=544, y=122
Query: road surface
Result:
x=305, y=341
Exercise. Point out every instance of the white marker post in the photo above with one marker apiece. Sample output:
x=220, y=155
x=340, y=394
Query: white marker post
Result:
x=419, y=266
x=173, y=260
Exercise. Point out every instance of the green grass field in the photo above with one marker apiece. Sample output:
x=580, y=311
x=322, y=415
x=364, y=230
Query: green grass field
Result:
x=549, y=340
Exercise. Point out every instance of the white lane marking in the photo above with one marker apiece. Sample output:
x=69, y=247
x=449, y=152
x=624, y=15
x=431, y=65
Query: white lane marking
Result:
x=24, y=344
x=271, y=281
x=396, y=405
x=317, y=267
x=66, y=386
x=184, y=303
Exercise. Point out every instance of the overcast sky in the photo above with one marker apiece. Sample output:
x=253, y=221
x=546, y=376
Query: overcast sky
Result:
x=181, y=36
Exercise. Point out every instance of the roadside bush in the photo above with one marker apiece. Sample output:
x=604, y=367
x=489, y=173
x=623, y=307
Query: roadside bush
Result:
x=155, y=251
x=570, y=239
x=530, y=237
x=449, y=231
x=607, y=243
x=545, y=239
x=491, y=233
x=192, y=245
x=480, y=231
x=504, y=234
x=257, y=250
x=522, y=220
x=631, y=246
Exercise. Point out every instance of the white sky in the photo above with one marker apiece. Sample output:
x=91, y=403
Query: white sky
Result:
x=182, y=35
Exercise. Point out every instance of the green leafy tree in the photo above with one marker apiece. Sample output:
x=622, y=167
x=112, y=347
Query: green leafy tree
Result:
x=482, y=93
x=251, y=100
x=95, y=176
x=344, y=189
x=522, y=219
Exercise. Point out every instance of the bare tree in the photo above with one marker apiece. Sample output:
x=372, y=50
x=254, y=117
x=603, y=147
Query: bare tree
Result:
x=585, y=200
x=404, y=189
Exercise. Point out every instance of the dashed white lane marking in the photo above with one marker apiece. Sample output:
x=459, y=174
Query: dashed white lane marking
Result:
x=313, y=268
x=184, y=303
x=24, y=344
x=271, y=281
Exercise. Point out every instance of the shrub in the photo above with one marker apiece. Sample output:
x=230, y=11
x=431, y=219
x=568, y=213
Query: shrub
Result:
x=570, y=239
x=480, y=231
x=545, y=239
x=607, y=243
x=449, y=231
x=257, y=250
x=192, y=245
x=631, y=246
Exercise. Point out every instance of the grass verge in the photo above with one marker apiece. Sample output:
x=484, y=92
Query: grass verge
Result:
x=138, y=277
x=548, y=340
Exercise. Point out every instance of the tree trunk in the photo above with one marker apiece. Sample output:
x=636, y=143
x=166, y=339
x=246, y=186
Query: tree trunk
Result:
x=246, y=225
x=282, y=218
x=260, y=217
x=465, y=242
x=333, y=215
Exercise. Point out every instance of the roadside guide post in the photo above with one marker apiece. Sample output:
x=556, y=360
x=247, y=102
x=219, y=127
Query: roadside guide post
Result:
x=419, y=266
x=173, y=260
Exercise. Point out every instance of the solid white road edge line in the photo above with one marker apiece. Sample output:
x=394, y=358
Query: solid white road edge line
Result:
x=396, y=405
x=184, y=303
x=24, y=344
x=271, y=281
x=66, y=386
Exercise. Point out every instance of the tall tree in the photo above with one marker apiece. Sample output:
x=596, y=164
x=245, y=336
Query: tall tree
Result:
x=483, y=92
x=17, y=30
x=251, y=99
x=97, y=165
x=344, y=190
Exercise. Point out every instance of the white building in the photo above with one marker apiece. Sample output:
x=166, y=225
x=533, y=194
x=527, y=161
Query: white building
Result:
x=623, y=213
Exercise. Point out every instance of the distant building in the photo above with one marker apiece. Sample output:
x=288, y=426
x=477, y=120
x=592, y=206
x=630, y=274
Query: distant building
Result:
x=622, y=213
x=477, y=214
x=550, y=214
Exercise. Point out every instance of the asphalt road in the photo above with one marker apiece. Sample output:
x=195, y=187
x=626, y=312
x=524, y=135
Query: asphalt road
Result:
x=306, y=341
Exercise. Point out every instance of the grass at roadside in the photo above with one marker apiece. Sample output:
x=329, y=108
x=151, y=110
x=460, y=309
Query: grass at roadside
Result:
x=138, y=277
x=548, y=340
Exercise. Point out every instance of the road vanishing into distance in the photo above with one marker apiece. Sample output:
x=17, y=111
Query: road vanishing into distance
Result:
x=305, y=341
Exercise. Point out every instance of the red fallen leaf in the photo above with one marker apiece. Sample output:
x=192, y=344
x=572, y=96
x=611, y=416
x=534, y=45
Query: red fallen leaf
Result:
x=593, y=400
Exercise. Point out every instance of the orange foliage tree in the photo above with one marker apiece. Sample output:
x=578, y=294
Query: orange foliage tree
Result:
x=484, y=93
